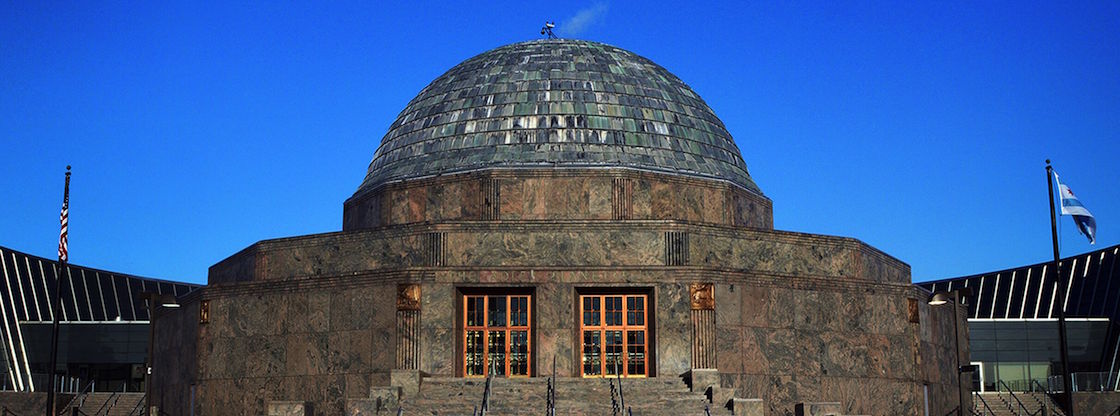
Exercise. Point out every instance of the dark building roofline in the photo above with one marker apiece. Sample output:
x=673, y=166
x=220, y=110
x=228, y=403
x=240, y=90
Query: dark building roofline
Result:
x=89, y=295
x=1027, y=292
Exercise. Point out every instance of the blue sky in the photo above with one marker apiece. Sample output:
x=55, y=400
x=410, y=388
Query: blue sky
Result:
x=197, y=129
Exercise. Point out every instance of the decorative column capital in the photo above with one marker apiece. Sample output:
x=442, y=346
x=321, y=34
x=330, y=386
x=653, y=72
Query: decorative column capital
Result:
x=408, y=297
x=702, y=295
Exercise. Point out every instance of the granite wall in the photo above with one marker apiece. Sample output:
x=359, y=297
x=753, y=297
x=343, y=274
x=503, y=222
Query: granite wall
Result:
x=552, y=244
x=801, y=318
x=1097, y=403
x=558, y=194
x=299, y=341
x=852, y=344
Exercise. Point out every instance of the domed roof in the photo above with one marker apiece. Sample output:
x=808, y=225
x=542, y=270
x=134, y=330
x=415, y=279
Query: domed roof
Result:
x=557, y=103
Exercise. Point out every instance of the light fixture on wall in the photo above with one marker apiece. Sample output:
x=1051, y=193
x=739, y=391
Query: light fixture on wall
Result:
x=942, y=298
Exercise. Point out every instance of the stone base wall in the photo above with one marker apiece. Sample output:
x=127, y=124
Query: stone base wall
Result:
x=1097, y=403
x=554, y=194
x=30, y=403
x=784, y=339
x=552, y=244
x=799, y=317
x=301, y=341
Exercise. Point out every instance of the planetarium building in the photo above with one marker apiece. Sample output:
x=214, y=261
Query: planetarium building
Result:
x=558, y=213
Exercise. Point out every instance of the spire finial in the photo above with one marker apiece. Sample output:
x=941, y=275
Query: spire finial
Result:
x=547, y=30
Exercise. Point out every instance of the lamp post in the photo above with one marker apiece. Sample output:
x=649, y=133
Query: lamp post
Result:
x=941, y=298
x=154, y=301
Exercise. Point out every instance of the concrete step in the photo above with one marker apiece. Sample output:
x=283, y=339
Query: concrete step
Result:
x=647, y=397
x=1003, y=404
x=109, y=404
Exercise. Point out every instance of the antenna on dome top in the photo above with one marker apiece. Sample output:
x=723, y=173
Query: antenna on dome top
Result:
x=547, y=30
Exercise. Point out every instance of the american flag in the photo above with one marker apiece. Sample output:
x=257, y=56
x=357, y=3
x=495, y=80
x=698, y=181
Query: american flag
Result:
x=64, y=219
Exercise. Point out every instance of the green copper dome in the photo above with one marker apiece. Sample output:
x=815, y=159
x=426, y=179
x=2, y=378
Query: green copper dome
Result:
x=557, y=103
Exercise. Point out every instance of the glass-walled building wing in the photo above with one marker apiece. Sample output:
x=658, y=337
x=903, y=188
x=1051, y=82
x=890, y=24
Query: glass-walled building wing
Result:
x=103, y=333
x=1013, y=327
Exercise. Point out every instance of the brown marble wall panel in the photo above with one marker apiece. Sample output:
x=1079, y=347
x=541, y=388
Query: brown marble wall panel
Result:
x=793, y=257
x=556, y=328
x=674, y=329
x=599, y=195
x=730, y=346
x=459, y=191
x=748, y=211
x=795, y=345
x=240, y=267
x=437, y=335
x=642, y=202
x=661, y=201
x=714, y=206
x=728, y=301
x=1096, y=403
x=877, y=266
x=283, y=344
x=530, y=248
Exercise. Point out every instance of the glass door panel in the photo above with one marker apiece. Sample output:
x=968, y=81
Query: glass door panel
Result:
x=635, y=352
x=614, y=335
x=592, y=345
x=519, y=353
x=613, y=352
x=475, y=365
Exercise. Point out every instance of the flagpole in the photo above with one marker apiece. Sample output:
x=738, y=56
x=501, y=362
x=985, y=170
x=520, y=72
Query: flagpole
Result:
x=1067, y=383
x=57, y=298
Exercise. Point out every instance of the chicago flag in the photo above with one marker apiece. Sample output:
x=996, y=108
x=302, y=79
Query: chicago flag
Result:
x=1072, y=206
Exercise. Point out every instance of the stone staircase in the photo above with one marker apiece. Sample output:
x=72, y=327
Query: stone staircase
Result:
x=650, y=396
x=1002, y=404
x=107, y=404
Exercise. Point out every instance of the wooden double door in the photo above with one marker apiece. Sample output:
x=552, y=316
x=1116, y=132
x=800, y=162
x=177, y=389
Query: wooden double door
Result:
x=497, y=335
x=614, y=335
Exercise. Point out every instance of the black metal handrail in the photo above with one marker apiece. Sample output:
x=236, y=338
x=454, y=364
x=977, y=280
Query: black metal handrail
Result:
x=486, y=391
x=987, y=408
x=1041, y=388
x=550, y=396
x=615, y=410
x=109, y=403
x=80, y=398
x=1022, y=407
x=621, y=395
x=138, y=406
x=5, y=412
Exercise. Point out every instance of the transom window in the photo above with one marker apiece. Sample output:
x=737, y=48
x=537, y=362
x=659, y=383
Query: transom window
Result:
x=496, y=335
x=614, y=335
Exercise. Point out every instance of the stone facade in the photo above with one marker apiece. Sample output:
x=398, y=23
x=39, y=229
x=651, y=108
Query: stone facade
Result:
x=558, y=194
x=364, y=318
x=801, y=318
